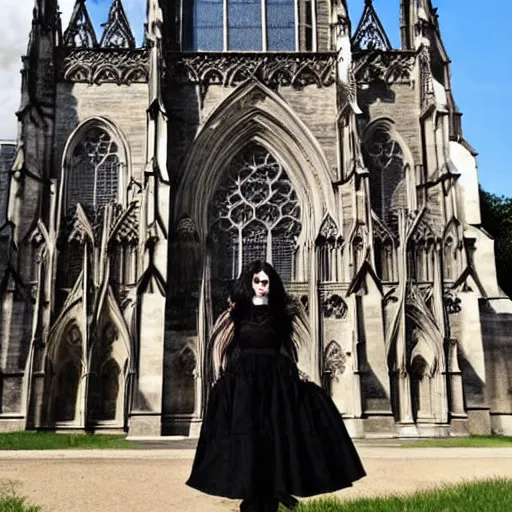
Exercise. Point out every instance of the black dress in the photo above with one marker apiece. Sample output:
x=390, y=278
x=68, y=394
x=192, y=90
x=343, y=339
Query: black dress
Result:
x=265, y=431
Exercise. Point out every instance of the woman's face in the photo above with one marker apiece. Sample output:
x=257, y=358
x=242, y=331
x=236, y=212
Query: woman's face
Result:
x=260, y=284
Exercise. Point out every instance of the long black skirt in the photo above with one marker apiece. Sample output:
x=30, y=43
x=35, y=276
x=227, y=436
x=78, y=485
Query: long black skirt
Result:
x=268, y=433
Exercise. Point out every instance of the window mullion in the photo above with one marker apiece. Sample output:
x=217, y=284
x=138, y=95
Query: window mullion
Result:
x=297, y=26
x=314, y=27
x=264, y=44
x=226, y=26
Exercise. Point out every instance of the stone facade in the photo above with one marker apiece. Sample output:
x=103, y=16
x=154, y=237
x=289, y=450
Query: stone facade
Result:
x=146, y=177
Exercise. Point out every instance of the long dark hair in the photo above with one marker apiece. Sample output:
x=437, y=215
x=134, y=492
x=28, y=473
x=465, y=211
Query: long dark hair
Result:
x=243, y=291
x=287, y=313
x=278, y=300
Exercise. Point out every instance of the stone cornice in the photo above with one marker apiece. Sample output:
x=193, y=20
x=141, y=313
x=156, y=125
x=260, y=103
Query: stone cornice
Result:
x=272, y=69
x=97, y=66
x=395, y=66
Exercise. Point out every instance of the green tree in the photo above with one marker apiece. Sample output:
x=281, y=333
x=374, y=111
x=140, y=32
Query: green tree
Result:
x=497, y=221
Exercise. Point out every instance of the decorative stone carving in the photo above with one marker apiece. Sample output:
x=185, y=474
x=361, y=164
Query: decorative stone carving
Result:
x=121, y=67
x=370, y=34
x=427, y=85
x=117, y=33
x=80, y=32
x=296, y=70
x=127, y=229
x=452, y=303
x=304, y=300
x=334, y=307
x=328, y=231
x=334, y=359
x=389, y=67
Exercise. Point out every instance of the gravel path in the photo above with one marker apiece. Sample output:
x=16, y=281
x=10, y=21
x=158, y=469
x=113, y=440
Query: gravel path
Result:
x=153, y=480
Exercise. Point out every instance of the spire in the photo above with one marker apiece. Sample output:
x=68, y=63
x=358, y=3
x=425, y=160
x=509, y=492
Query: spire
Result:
x=80, y=32
x=117, y=32
x=370, y=34
x=417, y=17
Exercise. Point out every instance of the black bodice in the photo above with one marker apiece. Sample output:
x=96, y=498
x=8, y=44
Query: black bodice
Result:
x=257, y=329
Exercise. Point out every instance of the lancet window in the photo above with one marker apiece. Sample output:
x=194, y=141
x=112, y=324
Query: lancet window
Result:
x=93, y=175
x=248, y=25
x=255, y=214
x=388, y=187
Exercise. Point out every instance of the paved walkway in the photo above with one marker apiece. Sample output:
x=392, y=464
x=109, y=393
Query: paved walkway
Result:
x=150, y=480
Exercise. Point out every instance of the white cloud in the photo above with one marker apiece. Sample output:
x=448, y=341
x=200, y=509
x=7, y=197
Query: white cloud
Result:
x=15, y=24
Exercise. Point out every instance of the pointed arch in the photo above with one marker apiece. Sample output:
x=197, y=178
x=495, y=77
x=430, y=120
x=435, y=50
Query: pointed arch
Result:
x=391, y=165
x=255, y=113
x=80, y=32
x=117, y=32
x=77, y=137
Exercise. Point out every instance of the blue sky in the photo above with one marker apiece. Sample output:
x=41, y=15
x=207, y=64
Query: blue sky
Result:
x=476, y=37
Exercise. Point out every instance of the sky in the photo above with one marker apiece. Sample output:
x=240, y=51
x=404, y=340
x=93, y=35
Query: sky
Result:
x=475, y=34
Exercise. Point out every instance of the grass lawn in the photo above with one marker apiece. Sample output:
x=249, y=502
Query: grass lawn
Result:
x=486, y=496
x=464, y=442
x=52, y=441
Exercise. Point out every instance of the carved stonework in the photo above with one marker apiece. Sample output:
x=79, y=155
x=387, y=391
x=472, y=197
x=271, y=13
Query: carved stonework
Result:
x=118, y=33
x=121, y=67
x=335, y=359
x=80, y=32
x=427, y=84
x=370, y=34
x=334, y=307
x=297, y=70
x=452, y=303
x=389, y=67
x=304, y=300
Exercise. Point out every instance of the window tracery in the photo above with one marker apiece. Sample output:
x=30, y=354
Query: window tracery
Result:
x=255, y=214
x=388, y=187
x=93, y=176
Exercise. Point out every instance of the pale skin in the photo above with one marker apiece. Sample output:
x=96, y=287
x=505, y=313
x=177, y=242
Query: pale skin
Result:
x=260, y=284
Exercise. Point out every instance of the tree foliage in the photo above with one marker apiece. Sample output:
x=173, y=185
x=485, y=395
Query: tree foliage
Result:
x=497, y=221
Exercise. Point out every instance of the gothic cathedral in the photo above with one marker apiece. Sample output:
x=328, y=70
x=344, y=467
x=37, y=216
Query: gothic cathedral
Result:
x=146, y=177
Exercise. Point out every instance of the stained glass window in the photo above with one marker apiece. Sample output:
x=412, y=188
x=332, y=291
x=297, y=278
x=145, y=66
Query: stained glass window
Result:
x=281, y=25
x=255, y=214
x=93, y=176
x=388, y=188
x=207, y=22
x=244, y=25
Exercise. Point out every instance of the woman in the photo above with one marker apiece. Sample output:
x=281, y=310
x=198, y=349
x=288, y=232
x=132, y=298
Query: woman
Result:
x=268, y=433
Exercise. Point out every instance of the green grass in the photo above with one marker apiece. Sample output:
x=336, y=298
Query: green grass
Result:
x=52, y=441
x=11, y=502
x=16, y=504
x=486, y=496
x=464, y=442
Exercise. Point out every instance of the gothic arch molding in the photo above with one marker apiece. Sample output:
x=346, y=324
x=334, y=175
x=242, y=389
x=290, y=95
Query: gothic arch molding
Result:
x=76, y=137
x=255, y=113
x=388, y=124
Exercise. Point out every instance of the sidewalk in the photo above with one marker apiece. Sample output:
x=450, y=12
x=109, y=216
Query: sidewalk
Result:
x=143, y=480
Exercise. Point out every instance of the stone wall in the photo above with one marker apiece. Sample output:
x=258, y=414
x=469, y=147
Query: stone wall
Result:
x=124, y=106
